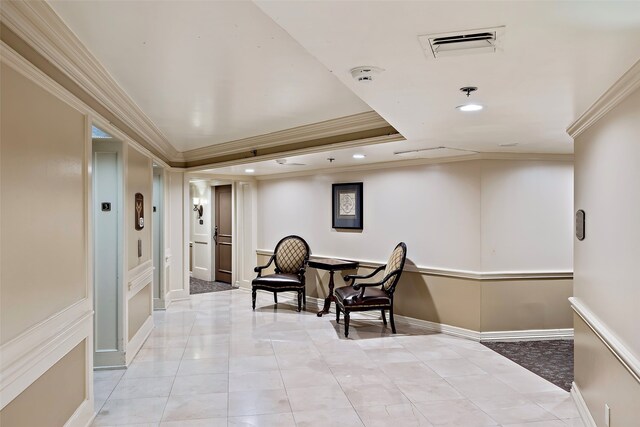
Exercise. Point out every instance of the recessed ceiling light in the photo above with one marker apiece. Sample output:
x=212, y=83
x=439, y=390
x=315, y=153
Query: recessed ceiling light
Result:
x=249, y=170
x=359, y=156
x=470, y=107
x=508, y=144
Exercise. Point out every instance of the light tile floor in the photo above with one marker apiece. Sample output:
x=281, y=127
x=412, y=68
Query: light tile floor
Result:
x=212, y=361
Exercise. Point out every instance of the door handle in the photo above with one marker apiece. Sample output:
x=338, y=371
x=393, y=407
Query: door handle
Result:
x=215, y=234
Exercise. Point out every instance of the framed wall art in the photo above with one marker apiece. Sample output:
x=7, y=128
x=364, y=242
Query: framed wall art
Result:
x=347, y=206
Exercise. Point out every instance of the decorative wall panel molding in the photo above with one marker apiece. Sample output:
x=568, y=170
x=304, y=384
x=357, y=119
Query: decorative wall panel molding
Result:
x=25, y=358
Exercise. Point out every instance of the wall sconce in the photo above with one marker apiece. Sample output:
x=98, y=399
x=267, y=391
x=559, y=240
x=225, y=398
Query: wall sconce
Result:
x=197, y=207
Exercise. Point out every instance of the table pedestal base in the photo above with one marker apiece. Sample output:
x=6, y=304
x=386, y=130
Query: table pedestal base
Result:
x=330, y=297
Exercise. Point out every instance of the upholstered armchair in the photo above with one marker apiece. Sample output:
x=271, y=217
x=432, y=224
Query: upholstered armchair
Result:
x=365, y=296
x=290, y=258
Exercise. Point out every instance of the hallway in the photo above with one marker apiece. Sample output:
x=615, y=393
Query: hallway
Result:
x=213, y=361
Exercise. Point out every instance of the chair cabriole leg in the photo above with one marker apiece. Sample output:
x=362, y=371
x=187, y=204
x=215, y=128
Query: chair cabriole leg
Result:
x=393, y=324
x=346, y=324
x=253, y=299
x=384, y=317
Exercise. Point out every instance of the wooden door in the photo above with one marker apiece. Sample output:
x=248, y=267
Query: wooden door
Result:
x=223, y=233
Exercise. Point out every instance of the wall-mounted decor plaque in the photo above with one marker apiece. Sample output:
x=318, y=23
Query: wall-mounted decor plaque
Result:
x=139, y=211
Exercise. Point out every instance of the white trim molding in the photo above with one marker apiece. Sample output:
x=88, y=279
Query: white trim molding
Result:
x=38, y=25
x=581, y=405
x=523, y=335
x=460, y=274
x=177, y=295
x=608, y=338
x=139, y=277
x=136, y=342
x=329, y=128
x=25, y=358
x=625, y=86
x=83, y=416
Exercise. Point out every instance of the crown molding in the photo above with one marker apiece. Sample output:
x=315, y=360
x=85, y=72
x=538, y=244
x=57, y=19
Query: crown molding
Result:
x=621, y=89
x=37, y=24
x=326, y=129
x=424, y=161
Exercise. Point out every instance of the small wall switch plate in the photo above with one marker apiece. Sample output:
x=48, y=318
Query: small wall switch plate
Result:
x=607, y=415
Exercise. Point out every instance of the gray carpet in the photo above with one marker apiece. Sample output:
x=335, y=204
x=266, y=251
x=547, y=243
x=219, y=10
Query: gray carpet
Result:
x=552, y=360
x=197, y=286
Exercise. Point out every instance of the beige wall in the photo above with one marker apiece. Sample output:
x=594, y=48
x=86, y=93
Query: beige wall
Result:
x=511, y=305
x=53, y=397
x=480, y=216
x=139, y=310
x=607, y=173
x=606, y=261
x=477, y=305
x=139, y=180
x=602, y=379
x=43, y=205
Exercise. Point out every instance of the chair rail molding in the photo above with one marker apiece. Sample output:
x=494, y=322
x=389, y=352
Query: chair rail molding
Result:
x=618, y=92
x=139, y=277
x=608, y=338
x=459, y=274
x=25, y=358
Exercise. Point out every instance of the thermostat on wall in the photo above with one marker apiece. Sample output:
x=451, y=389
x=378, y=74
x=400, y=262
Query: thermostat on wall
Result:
x=580, y=224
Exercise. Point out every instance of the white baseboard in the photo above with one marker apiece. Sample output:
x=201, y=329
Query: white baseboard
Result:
x=160, y=304
x=135, y=344
x=583, y=410
x=83, y=416
x=524, y=335
x=177, y=295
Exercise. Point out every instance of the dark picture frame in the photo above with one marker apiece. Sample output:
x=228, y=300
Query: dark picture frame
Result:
x=346, y=206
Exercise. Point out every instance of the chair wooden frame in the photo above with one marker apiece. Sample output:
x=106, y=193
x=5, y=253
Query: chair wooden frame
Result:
x=393, y=275
x=283, y=287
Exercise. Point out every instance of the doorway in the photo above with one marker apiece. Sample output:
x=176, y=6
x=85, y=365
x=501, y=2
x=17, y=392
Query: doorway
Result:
x=108, y=248
x=223, y=234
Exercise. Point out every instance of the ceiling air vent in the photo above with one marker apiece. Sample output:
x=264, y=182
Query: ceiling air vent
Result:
x=485, y=40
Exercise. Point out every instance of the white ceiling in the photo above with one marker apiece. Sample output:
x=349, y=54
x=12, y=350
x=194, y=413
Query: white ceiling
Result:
x=557, y=58
x=208, y=72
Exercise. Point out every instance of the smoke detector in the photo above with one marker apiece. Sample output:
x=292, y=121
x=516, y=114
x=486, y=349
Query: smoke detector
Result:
x=365, y=73
x=484, y=40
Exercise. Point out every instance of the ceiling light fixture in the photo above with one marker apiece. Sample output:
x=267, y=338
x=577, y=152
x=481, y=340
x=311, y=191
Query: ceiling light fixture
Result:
x=359, y=156
x=249, y=170
x=470, y=106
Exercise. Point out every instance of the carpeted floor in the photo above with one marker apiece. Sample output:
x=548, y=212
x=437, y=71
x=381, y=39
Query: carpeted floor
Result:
x=198, y=286
x=552, y=360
